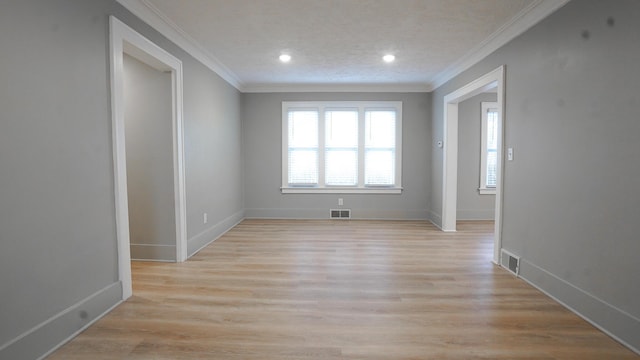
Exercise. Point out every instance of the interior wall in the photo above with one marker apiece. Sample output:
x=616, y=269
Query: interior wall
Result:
x=57, y=224
x=212, y=143
x=262, y=129
x=58, y=264
x=470, y=204
x=570, y=194
x=149, y=153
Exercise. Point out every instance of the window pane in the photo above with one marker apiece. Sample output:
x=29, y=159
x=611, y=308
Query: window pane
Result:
x=303, y=128
x=492, y=164
x=492, y=146
x=341, y=144
x=342, y=167
x=492, y=129
x=303, y=147
x=303, y=167
x=379, y=167
x=380, y=142
x=380, y=128
x=341, y=128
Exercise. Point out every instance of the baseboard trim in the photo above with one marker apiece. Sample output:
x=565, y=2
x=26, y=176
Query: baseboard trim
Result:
x=323, y=214
x=153, y=252
x=206, y=237
x=46, y=337
x=618, y=324
x=153, y=260
x=435, y=219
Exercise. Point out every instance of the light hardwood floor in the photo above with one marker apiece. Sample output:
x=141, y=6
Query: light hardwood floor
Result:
x=276, y=289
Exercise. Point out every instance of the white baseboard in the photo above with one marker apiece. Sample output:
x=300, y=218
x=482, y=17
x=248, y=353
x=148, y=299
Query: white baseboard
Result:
x=322, y=214
x=211, y=234
x=152, y=252
x=620, y=325
x=46, y=337
x=435, y=219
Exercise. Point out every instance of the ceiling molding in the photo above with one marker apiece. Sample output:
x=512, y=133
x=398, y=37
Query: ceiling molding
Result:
x=520, y=23
x=157, y=20
x=528, y=17
x=279, y=88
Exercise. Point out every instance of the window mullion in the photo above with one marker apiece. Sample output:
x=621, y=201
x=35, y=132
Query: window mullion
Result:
x=321, y=147
x=361, y=149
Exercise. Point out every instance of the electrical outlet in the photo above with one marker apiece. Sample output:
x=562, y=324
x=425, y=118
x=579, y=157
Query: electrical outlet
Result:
x=340, y=202
x=204, y=218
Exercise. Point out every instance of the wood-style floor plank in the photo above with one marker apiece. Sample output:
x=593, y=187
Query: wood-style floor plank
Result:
x=283, y=289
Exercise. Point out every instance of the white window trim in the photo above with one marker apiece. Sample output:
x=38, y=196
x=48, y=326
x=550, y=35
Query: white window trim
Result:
x=483, y=189
x=361, y=188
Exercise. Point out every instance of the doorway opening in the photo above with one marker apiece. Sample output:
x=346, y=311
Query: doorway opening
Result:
x=477, y=135
x=124, y=40
x=491, y=80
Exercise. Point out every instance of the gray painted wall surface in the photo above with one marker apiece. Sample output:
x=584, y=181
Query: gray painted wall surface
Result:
x=57, y=224
x=572, y=92
x=571, y=110
x=470, y=204
x=149, y=148
x=262, y=127
x=213, y=153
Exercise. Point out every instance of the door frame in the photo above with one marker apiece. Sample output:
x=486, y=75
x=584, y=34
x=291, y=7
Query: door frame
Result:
x=493, y=79
x=125, y=40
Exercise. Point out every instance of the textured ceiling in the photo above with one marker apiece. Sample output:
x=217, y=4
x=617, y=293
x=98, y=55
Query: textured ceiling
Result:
x=339, y=42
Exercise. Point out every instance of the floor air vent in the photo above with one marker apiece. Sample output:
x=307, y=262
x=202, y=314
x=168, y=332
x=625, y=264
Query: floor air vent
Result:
x=510, y=262
x=340, y=214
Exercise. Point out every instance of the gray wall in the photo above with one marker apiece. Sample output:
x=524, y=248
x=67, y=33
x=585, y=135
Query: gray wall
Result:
x=470, y=204
x=58, y=263
x=571, y=108
x=213, y=155
x=571, y=111
x=57, y=225
x=262, y=129
x=149, y=148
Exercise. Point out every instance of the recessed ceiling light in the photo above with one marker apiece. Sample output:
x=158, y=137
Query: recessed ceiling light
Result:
x=389, y=58
x=285, y=58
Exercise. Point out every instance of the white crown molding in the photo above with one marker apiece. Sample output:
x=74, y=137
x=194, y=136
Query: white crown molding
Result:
x=524, y=20
x=279, y=88
x=161, y=23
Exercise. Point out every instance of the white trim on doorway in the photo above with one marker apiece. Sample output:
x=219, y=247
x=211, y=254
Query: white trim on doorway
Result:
x=123, y=40
x=491, y=80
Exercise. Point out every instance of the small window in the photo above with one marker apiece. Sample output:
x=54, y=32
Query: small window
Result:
x=341, y=147
x=489, y=148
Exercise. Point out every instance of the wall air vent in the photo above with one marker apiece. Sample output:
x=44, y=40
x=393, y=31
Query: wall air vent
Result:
x=510, y=262
x=340, y=214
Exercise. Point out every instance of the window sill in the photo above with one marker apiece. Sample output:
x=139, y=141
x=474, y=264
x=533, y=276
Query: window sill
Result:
x=339, y=190
x=487, y=191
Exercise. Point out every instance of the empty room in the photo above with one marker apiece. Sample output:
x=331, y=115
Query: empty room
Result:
x=307, y=179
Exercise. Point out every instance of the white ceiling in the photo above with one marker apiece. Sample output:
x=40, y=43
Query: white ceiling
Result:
x=337, y=45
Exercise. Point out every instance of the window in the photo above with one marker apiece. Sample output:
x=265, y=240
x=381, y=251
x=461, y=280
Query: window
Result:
x=341, y=147
x=489, y=148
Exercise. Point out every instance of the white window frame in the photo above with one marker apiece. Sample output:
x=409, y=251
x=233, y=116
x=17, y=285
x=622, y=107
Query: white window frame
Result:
x=485, y=107
x=322, y=106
